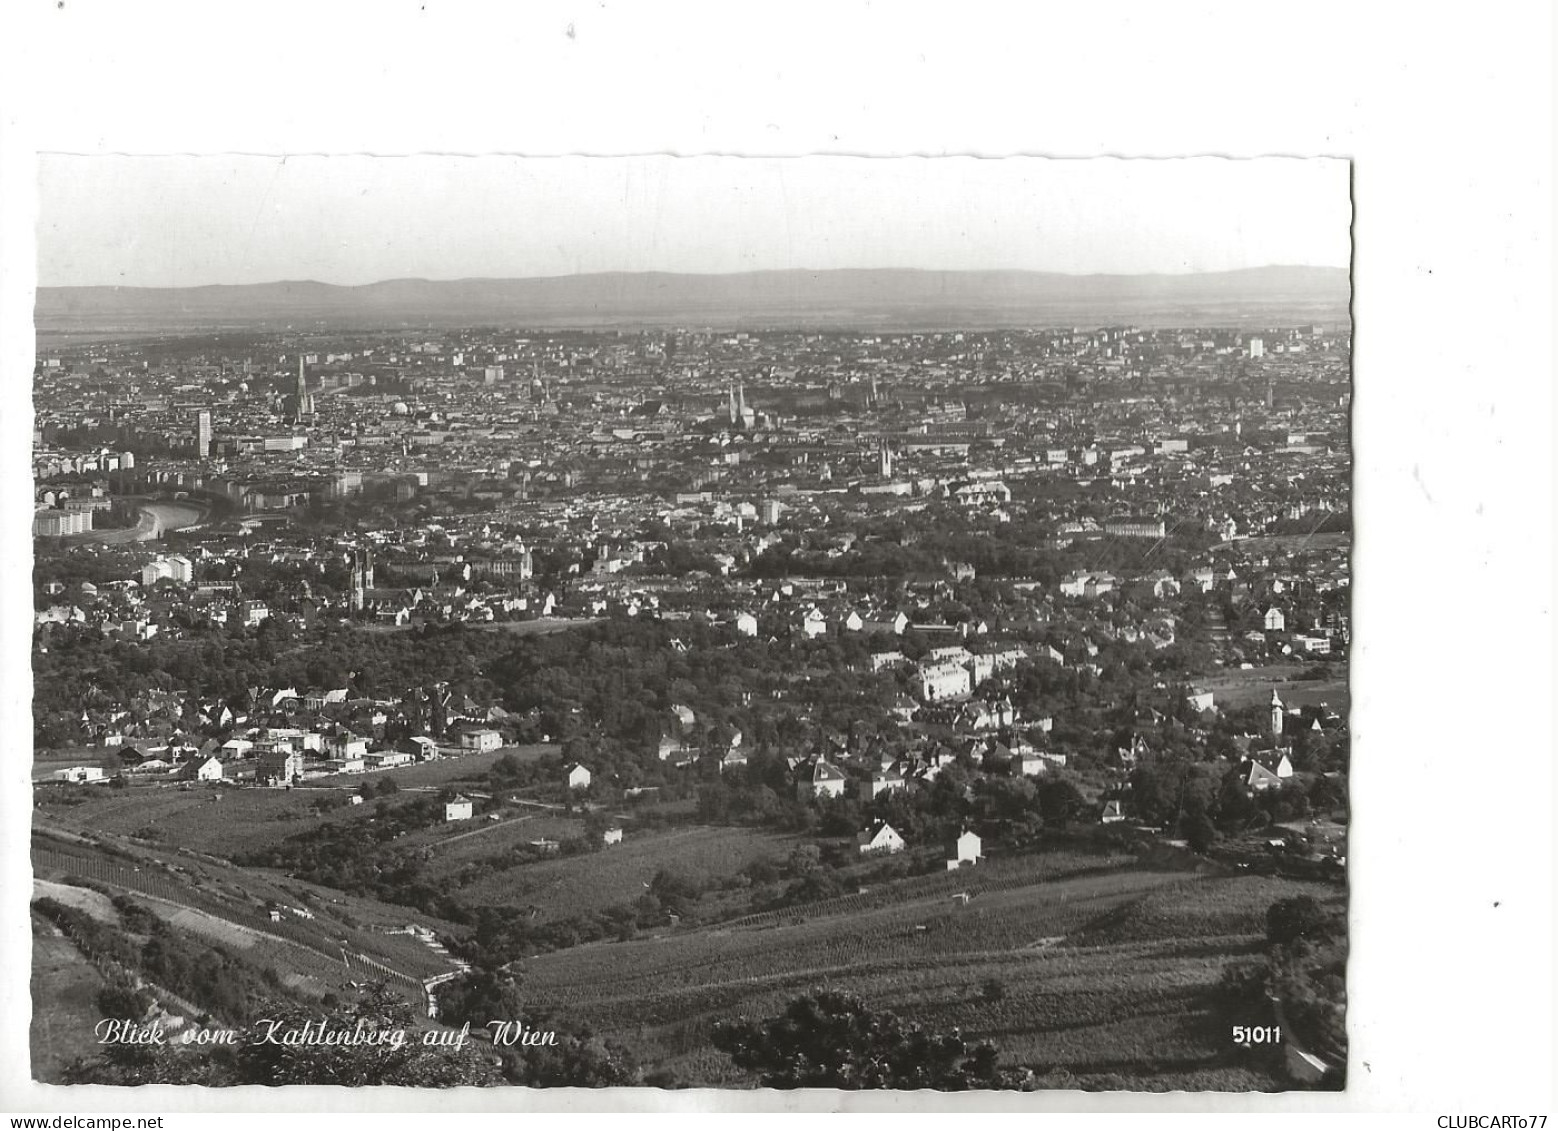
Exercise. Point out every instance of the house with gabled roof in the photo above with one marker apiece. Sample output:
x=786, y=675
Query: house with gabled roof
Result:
x=819, y=778
x=201, y=769
x=879, y=838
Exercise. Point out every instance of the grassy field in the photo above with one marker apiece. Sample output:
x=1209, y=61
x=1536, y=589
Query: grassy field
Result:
x=568, y=886
x=64, y=997
x=466, y=768
x=1248, y=687
x=1100, y=971
x=43, y=767
x=94, y=903
x=1329, y=540
x=244, y=820
x=456, y=845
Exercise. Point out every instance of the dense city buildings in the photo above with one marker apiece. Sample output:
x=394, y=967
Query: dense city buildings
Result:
x=867, y=612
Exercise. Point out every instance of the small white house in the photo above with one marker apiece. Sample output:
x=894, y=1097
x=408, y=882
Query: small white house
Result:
x=458, y=809
x=1275, y=621
x=202, y=769
x=880, y=838
x=578, y=776
x=968, y=849
x=1201, y=701
x=746, y=624
x=611, y=836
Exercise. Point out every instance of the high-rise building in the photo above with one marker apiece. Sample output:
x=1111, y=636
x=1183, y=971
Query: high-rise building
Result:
x=203, y=436
x=1257, y=348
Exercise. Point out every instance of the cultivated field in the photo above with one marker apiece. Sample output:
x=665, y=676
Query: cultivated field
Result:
x=1099, y=970
x=568, y=886
x=244, y=819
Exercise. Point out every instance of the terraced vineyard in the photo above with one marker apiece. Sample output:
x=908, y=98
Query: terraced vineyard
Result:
x=227, y=907
x=1101, y=970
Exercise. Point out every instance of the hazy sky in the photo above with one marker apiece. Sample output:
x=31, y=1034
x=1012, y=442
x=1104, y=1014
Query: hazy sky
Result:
x=184, y=221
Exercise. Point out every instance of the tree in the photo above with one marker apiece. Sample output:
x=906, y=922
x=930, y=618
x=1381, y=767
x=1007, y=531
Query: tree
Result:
x=1300, y=917
x=580, y=1058
x=1059, y=800
x=831, y=1040
x=1200, y=832
x=478, y=997
x=407, y=1064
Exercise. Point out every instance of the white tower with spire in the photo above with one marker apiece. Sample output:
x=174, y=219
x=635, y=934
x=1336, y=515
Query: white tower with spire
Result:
x=1276, y=715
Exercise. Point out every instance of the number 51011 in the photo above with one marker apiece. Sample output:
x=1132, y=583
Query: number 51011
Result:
x=1257, y=1034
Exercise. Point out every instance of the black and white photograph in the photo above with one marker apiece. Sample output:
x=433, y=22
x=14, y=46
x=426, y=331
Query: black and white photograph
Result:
x=667, y=561
x=499, y=622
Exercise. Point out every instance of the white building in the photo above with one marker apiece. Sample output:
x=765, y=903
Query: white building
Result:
x=885, y=781
x=944, y=681
x=823, y=780
x=458, y=809
x=880, y=837
x=578, y=777
x=80, y=774
x=968, y=849
x=480, y=741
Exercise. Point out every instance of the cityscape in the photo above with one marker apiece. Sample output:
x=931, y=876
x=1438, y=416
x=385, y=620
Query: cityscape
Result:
x=752, y=692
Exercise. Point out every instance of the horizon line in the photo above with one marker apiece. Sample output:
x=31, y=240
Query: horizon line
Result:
x=707, y=275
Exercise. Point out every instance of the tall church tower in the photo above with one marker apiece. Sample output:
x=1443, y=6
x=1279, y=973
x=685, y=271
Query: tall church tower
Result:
x=884, y=456
x=1276, y=715
x=362, y=578
x=300, y=403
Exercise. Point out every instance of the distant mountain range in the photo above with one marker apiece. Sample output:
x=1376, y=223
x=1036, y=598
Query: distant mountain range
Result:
x=888, y=299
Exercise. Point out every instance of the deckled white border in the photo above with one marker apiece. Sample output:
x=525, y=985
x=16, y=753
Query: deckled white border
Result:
x=1447, y=114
